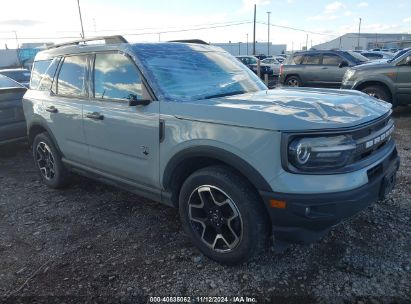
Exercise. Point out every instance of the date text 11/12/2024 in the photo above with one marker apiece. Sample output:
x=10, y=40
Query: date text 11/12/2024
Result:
x=205, y=299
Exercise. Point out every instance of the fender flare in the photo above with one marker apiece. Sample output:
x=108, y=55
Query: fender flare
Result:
x=221, y=155
x=38, y=121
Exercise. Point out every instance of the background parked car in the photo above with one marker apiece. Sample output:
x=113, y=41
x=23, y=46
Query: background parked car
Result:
x=251, y=62
x=273, y=63
x=12, y=122
x=22, y=76
x=377, y=55
x=280, y=59
x=389, y=80
x=318, y=68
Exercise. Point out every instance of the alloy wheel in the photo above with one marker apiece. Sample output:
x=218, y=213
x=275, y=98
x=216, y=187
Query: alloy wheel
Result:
x=293, y=83
x=215, y=218
x=45, y=161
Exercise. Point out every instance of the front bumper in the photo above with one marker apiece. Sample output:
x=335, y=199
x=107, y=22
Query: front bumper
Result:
x=308, y=217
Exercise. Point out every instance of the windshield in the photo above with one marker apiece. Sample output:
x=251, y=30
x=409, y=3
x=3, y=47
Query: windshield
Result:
x=400, y=53
x=356, y=57
x=186, y=72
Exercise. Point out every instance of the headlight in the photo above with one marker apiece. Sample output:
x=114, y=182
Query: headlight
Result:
x=319, y=153
x=348, y=74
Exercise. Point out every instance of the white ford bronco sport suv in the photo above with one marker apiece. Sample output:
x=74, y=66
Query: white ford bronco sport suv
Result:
x=188, y=125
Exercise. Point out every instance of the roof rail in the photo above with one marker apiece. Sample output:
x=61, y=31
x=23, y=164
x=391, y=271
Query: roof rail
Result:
x=197, y=41
x=107, y=40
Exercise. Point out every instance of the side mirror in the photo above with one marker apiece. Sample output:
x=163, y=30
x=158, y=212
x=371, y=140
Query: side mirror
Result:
x=407, y=60
x=133, y=101
x=343, y=64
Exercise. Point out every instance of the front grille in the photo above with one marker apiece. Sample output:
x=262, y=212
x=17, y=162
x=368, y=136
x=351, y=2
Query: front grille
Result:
x=372, y=138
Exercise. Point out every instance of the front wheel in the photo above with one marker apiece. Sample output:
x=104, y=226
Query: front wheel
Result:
x=377, y=92
x=223, y=215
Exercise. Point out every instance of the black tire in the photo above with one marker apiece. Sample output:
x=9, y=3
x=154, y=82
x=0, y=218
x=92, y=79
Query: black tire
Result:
x=251, y=226
x=293, y=81
x=378, y=92
x=48, y=161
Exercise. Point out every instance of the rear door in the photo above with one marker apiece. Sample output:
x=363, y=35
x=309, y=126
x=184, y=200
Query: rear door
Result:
x=63, y=107
x=332, y=74
x=311, y=70
x=123, y=140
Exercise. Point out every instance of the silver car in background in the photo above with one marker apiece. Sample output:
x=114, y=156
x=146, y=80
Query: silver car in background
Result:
x=274, y=65
x=12, y=122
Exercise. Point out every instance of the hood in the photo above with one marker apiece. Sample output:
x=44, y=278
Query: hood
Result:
x=287, y=109
x=380, y=63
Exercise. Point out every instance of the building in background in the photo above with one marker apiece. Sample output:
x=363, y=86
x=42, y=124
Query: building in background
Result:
x=22, y=57
x=366, y=41
x=244, y=48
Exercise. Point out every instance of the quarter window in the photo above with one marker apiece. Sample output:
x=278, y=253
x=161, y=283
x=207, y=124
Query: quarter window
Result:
x=331, y=59
x=297, y=59
x=72, y=76
x=116, y=78
x=311, y=59
x=39, y=69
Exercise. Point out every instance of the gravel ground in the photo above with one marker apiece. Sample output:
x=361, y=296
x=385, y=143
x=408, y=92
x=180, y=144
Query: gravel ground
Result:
x=94, y=243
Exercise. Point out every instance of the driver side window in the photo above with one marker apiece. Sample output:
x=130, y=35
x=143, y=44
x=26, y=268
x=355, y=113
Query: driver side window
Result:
x=116, y=78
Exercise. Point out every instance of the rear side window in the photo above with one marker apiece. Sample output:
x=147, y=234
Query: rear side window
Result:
x=312, y=59
x=297, y=59
x=116, y=77
x=39, y=69
x=72, y=76
x=331, y=59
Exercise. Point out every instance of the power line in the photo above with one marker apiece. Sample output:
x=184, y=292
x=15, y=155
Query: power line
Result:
x=164, y=27
x=141, y=34
x=296, y=29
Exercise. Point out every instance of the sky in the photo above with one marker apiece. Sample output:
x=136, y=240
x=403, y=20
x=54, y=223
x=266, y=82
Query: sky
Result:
x=210, y=20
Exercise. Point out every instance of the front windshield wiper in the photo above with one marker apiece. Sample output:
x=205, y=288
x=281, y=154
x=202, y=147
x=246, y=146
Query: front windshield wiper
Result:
x=225, y=94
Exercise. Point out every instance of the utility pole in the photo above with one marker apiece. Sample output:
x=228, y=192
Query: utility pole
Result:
x=359, y=33
x=81, y=20
x=95, y=27
x=292, y=47
x=159, y=37
x=247, y=44
x=268, y=43
x=239, y=48
x=306, y=43
x=255, y=14
x=17, y=40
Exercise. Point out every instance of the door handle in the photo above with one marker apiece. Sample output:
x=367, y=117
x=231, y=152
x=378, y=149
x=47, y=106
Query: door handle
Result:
x=324, y=68
x=52, y=109
x=95, y=116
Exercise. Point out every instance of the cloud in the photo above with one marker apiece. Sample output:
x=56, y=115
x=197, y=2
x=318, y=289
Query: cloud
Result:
x=20, y=22
x=407, y=20
x=329, y=12
x=333, y=7
x=322, y=17
x=362, y=4
x=248, y=5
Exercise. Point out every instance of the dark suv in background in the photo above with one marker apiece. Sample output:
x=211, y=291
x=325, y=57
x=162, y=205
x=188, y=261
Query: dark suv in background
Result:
x=389, y=80
x=318, y=68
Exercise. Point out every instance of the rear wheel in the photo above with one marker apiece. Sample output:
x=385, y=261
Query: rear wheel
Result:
x=48, y=162
x=377, y=92
x=223, y=215
x=293, y=81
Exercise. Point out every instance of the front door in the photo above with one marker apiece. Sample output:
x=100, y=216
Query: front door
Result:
x=123, y=140
x=403, y=83
x=334, y=75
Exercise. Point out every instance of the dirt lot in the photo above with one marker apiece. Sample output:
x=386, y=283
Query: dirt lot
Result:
x=91, y=242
